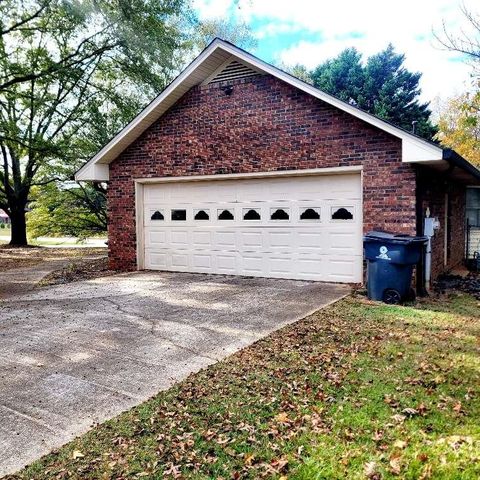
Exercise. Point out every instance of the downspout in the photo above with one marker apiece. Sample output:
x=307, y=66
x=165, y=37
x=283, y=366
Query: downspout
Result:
x=421, y=266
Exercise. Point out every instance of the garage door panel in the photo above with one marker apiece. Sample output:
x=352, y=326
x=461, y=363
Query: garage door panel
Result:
x=311, y=240
x=281, y=265
x=343, y=242
x=342, y=269
x=179, y=260
x=202, y=261
x=179, y=238
x=157, y=238
x=225, y=240
x=251, y=239
x=251, y=264
x=202, y=239
x=317, y=248
x=156, y=260
x=280, y=239
x=226, y=263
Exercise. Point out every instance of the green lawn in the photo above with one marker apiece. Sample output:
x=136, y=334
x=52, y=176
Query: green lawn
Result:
x=358, y=390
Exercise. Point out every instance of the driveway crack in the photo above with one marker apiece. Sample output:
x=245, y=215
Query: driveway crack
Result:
x=152, y=324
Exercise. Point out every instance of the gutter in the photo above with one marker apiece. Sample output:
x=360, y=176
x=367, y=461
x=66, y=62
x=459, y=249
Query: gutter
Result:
x=457, y=160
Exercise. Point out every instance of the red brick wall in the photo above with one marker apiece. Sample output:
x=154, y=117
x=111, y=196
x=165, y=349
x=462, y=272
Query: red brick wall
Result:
x=432, y=188
x=264, y=125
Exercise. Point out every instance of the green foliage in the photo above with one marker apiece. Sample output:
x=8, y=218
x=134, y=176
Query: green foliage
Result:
x=239, y=34
x=459, y=125
x=71, y=75
x=67, y=210
x=382, y=86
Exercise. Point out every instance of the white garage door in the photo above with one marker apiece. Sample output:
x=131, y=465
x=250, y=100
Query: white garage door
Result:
x=287, y=227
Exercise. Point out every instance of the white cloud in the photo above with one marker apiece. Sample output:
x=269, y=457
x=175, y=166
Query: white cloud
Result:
x=212, y=8
x=408, y=25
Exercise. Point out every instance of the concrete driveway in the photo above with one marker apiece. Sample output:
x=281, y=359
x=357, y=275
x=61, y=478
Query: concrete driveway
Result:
x=78, y=354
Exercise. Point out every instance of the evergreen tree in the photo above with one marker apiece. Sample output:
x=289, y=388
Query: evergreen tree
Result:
x=382, y=86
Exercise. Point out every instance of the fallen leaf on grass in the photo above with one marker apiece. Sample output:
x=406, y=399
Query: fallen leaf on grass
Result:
x=370, y=470
x=398, y=418
x=282, y=418
x=77, y=454
x=457, y=407
x=400, y=444
x=395, y=465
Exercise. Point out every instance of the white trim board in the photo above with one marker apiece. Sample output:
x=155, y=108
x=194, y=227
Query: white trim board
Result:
x=240, y=176
x=214, y=56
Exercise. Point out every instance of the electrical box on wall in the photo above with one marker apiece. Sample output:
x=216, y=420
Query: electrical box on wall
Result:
x=431, y=224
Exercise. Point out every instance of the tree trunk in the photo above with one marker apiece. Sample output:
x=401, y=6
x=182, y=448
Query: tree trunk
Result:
x=19, y=228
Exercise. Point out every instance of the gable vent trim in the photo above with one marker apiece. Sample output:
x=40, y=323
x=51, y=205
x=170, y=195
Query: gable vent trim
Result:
x=233, y=71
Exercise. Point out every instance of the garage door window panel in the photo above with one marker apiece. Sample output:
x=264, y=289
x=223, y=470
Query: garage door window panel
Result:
x=157, y=215
x=279, y=214
x=342, y=213
x=179, y=215
x=226, y=214
x=251, y=214
x=310, y=213
x=202, y=215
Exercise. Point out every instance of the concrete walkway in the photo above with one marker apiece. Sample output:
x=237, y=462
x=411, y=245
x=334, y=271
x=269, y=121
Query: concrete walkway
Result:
x=81, y=353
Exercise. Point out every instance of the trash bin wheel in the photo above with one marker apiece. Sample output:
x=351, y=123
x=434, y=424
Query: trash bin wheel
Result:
x=391, y=296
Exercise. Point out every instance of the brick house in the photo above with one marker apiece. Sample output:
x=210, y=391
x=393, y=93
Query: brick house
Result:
x=239, y=168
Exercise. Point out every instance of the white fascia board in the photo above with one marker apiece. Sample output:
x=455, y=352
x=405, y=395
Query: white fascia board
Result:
x=416, y=151
x=250, y=175
x=96, y=172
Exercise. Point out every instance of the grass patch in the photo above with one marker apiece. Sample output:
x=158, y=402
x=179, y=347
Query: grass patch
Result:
x=16, y=257
x=358, y=390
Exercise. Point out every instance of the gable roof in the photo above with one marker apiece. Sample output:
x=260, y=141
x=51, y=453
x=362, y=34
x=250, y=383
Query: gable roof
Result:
x=206, y=67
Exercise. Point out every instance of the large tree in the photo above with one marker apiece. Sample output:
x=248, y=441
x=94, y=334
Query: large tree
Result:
x=459, y=125
x=459, y=120
x=381, y=86
x=63, y=69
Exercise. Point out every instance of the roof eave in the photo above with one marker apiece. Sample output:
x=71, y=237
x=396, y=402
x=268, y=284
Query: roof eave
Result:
x=414, y=149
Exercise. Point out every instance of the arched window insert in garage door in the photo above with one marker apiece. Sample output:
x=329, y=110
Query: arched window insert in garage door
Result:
x=310, y=214
x=279, y=214
x=202, y=215
x=342, y=213
x=157, y=215
x=225, y=215
x=251, y=214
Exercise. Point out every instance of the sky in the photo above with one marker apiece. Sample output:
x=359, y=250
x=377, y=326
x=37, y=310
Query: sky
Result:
x=311, y=31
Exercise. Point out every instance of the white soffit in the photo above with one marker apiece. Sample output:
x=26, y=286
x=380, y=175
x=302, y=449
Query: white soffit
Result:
x=218, y=54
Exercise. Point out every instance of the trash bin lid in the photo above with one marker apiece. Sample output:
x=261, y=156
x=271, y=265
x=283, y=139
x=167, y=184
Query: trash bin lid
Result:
x=378, y=235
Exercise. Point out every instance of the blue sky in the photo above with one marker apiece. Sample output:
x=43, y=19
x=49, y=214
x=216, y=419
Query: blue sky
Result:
x=310, y=31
